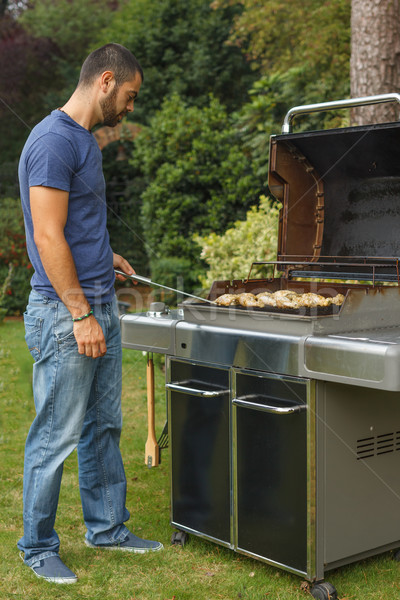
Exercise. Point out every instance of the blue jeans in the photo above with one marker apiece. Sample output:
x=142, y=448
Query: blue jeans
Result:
x=78, y=405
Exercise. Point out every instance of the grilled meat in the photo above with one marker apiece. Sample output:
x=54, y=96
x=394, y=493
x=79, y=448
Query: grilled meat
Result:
x=249, y=300
x=292, y=301
x=309, y=300
x=338, y=299
x=266, y=298
x=227, y=300
x=280, y=299
x=284, y=294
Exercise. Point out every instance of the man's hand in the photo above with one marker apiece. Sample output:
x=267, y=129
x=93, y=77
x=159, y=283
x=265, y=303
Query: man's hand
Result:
x=122, y=265
x=88, y=333
x=89, y=337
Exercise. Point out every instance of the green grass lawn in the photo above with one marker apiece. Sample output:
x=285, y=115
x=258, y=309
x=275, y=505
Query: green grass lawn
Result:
x=198, y=571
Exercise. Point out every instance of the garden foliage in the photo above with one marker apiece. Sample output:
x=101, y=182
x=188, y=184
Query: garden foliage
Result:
x=219, y=79
x=13, y=252
x=199, y=179
x=230, y=255
x=182, y=48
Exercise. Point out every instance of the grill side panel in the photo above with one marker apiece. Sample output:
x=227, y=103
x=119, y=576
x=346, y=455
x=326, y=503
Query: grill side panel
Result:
x=359, y=464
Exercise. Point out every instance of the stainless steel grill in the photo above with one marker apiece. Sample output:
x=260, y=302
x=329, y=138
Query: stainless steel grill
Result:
x=284, y=426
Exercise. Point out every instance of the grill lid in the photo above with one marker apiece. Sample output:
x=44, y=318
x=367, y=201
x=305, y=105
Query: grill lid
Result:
x=340, y=196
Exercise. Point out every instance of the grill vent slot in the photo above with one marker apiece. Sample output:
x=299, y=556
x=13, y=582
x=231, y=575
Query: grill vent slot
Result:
x=384, y=443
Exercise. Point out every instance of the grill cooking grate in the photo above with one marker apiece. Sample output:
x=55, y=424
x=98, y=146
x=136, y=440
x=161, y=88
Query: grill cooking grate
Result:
x=377, y=445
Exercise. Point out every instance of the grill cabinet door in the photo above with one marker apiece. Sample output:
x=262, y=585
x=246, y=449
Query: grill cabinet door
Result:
x=199, y=442
x=271, y=468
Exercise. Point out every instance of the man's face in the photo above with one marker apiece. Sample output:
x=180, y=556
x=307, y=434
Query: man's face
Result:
x=119, y=101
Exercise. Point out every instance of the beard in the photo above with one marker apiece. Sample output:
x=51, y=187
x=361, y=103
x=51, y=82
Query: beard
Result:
x=108, y=107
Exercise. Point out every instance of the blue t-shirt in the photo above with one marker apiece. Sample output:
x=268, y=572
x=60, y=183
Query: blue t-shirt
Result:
x=61, y=154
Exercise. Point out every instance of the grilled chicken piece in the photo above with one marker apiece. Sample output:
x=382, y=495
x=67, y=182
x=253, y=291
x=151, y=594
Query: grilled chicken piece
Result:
x=288, y=301
x=309, y=300
x=338, y=299
x=249, y=300
x=227, y=300
x=266, y=298
x=284, y=294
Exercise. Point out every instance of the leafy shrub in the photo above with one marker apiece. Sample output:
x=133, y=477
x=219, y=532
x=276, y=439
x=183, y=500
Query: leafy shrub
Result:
x=199, y=178
x=123, y=191
x=181, y=45
x=4, y=289
x=176, y=273
x=230, y=255
x=13, y=252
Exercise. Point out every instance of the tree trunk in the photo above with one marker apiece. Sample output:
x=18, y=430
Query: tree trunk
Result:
x=375, y=57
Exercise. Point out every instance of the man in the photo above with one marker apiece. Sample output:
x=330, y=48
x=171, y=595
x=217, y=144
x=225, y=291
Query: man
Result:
x=71, y=322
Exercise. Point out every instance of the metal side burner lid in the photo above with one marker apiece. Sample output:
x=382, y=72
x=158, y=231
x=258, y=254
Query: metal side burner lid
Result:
x=153, y=331
x=158, y=309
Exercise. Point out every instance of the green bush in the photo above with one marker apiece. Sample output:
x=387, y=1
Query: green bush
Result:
x=230, y=255
x=123, y=191
x=182, y=47
x=175, y=272
x=13, y=252
x=199, y=178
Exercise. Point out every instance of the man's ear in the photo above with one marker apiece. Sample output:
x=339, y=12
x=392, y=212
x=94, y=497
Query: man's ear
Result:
x=106, y=81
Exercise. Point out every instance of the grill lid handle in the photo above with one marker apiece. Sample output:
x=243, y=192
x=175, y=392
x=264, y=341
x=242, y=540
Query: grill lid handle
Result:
x=309, y=108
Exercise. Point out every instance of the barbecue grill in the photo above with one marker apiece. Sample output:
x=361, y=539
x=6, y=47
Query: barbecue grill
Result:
x=284, y=425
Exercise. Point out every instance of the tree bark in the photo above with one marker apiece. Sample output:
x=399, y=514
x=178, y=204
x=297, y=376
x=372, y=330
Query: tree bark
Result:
x=375, y=57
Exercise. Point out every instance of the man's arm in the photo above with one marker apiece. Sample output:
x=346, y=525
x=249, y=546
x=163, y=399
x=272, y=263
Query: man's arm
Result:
x=49, y=208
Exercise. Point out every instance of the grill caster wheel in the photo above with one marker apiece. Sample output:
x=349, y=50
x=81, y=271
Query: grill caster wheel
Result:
x=179, y=538
x=324, y=591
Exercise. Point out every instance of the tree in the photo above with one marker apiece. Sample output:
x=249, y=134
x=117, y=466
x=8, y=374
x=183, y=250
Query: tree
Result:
x=71, y=26
x=313, y=36
x=124, y=187
x=375, y=57
x=198, y=180
x=23, y=60
x=302, y=51
x=12, y=7
x=181, y=46
x=42, y=44
x=68, y=23
x=14, y=261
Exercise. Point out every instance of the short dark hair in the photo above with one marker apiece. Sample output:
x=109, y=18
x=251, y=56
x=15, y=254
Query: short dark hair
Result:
x=111, y=57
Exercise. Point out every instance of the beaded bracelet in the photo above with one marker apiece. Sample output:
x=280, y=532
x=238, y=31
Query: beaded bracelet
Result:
x=83, y=316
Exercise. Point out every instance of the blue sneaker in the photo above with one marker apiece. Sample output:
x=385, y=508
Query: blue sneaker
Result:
x=52, y=569
x=132, y=543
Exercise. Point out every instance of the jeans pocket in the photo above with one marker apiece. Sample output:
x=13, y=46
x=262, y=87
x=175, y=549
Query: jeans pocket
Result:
x=64, y=330
x=33, y=334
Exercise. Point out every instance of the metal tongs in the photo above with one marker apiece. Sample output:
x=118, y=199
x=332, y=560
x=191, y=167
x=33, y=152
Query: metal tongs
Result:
x=148, y=281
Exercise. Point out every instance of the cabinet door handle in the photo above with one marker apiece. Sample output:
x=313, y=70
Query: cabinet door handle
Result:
x=277, y=410
x=175, y=387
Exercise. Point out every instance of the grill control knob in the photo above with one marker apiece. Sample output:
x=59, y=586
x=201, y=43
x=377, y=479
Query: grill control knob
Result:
x=157, y=309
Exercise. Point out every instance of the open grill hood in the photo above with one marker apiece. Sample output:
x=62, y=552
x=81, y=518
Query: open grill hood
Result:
x=340, y=218
x=340, y=195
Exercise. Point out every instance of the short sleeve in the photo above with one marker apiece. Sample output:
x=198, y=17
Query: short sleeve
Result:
x=51, y=162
